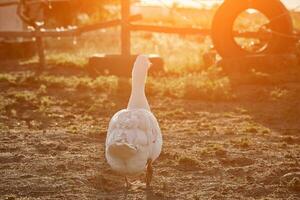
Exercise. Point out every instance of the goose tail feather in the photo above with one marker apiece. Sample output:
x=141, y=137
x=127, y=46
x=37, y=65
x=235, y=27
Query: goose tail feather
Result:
x=122, y=151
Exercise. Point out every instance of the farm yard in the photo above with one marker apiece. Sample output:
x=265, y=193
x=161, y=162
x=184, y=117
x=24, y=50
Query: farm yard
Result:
x=228, y=134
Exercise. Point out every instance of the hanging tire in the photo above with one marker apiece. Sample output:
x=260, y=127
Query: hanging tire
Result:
x=274, y=10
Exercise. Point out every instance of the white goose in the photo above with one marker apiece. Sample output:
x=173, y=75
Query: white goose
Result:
x=134, y=138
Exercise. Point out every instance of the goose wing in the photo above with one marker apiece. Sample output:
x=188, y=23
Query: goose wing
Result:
x=138, y=128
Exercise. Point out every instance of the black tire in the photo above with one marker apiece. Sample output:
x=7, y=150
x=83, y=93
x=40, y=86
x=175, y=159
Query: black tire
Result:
x=274, y=10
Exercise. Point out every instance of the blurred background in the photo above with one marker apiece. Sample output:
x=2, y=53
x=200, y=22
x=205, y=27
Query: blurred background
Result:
x=181, y=53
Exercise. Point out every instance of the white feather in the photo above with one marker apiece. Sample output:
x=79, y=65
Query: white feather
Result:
x=133, y=137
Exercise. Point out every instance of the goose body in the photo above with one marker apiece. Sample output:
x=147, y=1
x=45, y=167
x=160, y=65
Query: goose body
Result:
x=134, y=138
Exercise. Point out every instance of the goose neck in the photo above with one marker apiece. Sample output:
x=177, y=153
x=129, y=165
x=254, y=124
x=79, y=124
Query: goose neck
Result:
x=138, y=81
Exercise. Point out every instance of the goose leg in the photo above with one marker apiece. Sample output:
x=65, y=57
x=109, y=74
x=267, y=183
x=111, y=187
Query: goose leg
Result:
x=149, y=173
x=127, y=184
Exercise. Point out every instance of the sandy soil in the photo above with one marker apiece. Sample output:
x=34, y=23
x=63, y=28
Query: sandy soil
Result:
x=52, y=145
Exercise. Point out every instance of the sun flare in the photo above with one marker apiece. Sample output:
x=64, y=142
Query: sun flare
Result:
x=291, y=4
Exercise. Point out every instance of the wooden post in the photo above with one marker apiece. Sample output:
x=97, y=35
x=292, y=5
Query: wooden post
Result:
x=125, y=28
x=40, y=49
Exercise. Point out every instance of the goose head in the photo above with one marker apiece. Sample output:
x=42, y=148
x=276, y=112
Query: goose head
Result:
x=141, y=65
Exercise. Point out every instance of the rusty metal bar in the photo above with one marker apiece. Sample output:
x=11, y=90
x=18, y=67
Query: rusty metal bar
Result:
x=166, y=29
x=66, y=32
x=132, y=27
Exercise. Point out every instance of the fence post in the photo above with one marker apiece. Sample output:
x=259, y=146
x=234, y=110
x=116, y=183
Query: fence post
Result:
x=125, y=29
x=40, y=48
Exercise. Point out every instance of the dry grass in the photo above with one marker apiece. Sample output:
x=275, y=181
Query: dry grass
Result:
x=221, y=140
x=207, y=85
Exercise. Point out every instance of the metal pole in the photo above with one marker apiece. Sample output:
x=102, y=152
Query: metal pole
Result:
x=125, y=29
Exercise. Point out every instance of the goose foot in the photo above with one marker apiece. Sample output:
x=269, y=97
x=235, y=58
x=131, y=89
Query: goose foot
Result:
x=127, y=183
x=149, y=173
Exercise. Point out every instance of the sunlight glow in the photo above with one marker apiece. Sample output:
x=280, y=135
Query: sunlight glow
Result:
x=290, y=4
x=185, y=3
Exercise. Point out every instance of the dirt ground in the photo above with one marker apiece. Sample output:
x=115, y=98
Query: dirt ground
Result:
x=52, y=143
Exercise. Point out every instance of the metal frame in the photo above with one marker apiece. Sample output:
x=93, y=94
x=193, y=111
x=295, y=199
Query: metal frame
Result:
x=126, y=28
